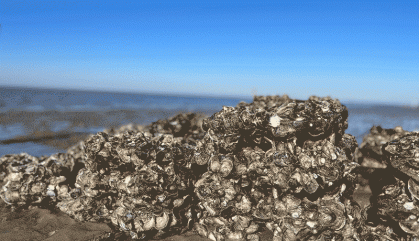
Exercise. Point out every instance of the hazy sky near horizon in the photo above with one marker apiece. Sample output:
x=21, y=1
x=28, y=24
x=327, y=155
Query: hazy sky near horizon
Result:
x=352, y=50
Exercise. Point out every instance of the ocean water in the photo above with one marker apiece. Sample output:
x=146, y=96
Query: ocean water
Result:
x=26, y=112
x=70, y=100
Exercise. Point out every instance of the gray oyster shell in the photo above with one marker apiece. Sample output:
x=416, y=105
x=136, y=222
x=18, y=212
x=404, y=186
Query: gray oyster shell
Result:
x=370, y=150
x=398, y=200
x=135, y=181
x=278, y=152
x=277, y=162
x=31, y=180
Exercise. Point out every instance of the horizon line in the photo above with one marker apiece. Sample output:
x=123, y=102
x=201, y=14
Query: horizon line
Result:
x=214, y=96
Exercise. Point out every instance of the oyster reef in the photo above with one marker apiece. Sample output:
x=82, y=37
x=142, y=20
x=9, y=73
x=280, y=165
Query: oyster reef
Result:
x=276, y=163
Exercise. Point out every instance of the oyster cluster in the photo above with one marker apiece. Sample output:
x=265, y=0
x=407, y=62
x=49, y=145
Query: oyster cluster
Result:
x=279, y=163
x=394, y=210
x=138, y=182
x=315, y=118
x=263, y=101
x=273, y=162
x=133, y=177
x=370, y=153
x=186, y=125
x=29, y=180
x=124, y=128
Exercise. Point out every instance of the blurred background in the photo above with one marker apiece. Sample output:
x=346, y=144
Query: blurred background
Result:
x=71, y=68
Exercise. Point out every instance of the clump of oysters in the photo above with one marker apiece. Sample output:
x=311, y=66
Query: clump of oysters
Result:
x=370, y=150
x=276, y=163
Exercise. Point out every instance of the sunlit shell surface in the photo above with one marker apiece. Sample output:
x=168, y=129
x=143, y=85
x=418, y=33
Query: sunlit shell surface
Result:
x=301, y=220
x=403, y=154
x=31, y=180
x=277, y=162
x=314, y=117
x=398, y=201
x=280, y=153
x=134, y=181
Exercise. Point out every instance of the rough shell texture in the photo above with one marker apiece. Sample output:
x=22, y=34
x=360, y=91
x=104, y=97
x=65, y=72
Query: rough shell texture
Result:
x=370, y=150
x=31, y=180
x=394, y=210
x=403, y=154
x=314, y=167
x=141, y=184
x=277, y=162
x=328, y=217
x=313, y=118
x=187, y=125
x=258, y=154
x=261, y=101
x=125, y=128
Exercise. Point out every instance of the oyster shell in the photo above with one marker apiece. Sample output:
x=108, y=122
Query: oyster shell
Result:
x=398, y=202
x=403, y=154
x=248, y=166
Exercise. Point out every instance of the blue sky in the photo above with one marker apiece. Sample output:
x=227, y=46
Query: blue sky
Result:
x=351, y=50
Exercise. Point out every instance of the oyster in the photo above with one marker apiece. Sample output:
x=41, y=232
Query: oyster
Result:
x=370, y=150
x=277, y=162
x=403, y=154
x=185, y=125
x=282, y=150
x=132, y=180
x=325, y=217
x=30, y=180
x=312, y=118
x=397, y=203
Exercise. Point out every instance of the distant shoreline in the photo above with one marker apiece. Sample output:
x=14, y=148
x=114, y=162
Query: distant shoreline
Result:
x=169, y=94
